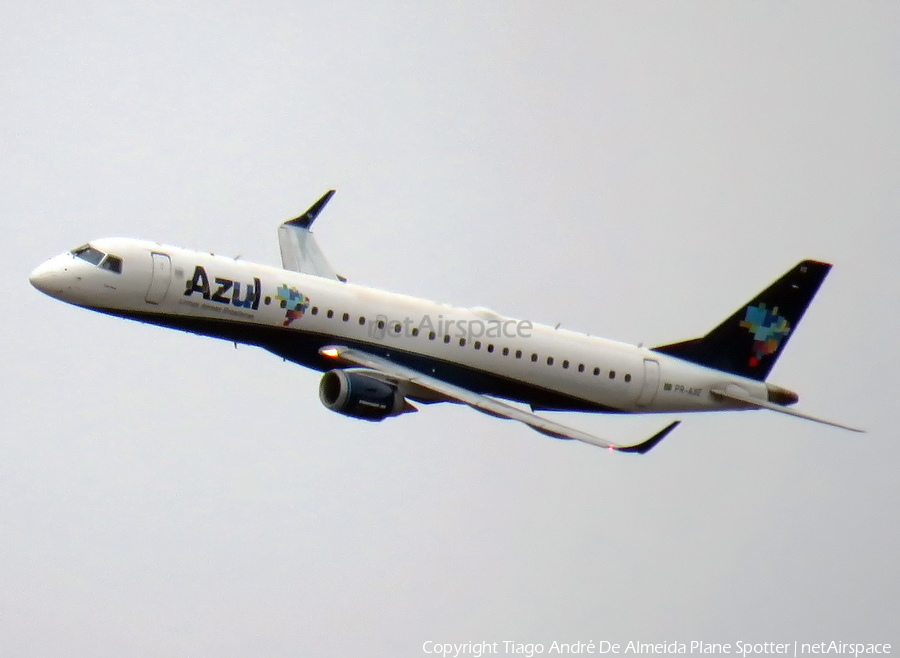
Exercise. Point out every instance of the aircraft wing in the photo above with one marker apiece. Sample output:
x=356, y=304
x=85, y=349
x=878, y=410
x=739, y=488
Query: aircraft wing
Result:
x=299, y=250
x=740, y=395
x=483, y=403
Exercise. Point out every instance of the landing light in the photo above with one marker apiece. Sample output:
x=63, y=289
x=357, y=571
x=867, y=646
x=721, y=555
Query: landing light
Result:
x=332, y=352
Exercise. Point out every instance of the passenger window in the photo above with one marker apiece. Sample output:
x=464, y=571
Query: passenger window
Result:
x=415, y=331
x=490, y=348
x=477, y=344
x=346, y=317
x=113, y=264
x=362, y=320
x=446, y=338
x=566, y=364
x=397, y=328
x=431, y=335
x=462, y=342
x=612, y=374
x=381, y=324
x=315, y=310
x=534, y=358
x=580, y=367
x=330, y=314
x=627, y=378
x=549, y=360
x=518, y=354
x=505, y=351
x=596, y=371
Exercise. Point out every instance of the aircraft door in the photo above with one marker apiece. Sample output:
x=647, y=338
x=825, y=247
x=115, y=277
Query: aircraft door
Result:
x=162, y=277
x=651, y=383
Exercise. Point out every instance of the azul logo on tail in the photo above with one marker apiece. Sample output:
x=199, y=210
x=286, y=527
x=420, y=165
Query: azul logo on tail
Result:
x=768, y=329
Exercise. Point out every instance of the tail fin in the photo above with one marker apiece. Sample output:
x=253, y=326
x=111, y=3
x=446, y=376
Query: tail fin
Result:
x=750, y=341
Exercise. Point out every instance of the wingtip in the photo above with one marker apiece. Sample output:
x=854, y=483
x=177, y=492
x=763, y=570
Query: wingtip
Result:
x=306, y=219
x=649, y=444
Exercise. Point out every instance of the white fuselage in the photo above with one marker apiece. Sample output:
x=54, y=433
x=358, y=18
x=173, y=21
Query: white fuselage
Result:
x=294, y=314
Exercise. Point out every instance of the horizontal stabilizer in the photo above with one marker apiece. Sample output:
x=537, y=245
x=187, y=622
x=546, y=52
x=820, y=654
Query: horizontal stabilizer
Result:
x=739, y=395
x=299, y=250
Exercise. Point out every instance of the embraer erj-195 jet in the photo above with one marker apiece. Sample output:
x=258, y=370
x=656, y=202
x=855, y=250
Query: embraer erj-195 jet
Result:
x=382, y=351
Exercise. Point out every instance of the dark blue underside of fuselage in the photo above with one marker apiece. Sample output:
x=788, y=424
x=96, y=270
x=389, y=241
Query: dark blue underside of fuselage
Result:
x=302, y=347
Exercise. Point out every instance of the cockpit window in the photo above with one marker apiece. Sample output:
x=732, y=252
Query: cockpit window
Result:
x=112, y=263
x=88, y=253
x=98, y=258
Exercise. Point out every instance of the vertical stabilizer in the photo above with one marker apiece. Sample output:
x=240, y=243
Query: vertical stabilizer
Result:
x=750, y=341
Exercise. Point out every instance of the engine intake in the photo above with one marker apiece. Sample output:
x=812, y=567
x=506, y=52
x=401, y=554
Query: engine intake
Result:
x=359, y=396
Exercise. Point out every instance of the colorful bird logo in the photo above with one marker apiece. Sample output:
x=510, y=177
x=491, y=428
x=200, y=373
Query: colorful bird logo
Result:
x=293, y=302
x=768, y=329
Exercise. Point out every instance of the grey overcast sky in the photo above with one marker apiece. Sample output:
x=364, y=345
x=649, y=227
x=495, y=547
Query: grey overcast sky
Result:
x=631, y=170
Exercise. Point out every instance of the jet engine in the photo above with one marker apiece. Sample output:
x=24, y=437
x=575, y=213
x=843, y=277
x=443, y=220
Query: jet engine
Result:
x=361, y=396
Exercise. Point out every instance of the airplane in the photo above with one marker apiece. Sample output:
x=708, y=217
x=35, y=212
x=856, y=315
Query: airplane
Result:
x=381, y=352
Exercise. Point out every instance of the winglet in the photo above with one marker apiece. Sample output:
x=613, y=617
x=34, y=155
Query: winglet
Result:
x=299, y=250
x=646, y=446
x=306, y=219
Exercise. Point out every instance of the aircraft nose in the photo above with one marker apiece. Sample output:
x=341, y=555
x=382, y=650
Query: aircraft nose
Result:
x=40, y=278
x=48, y=278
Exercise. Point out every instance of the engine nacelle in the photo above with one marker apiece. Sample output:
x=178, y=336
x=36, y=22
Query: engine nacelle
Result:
x=354, y=394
